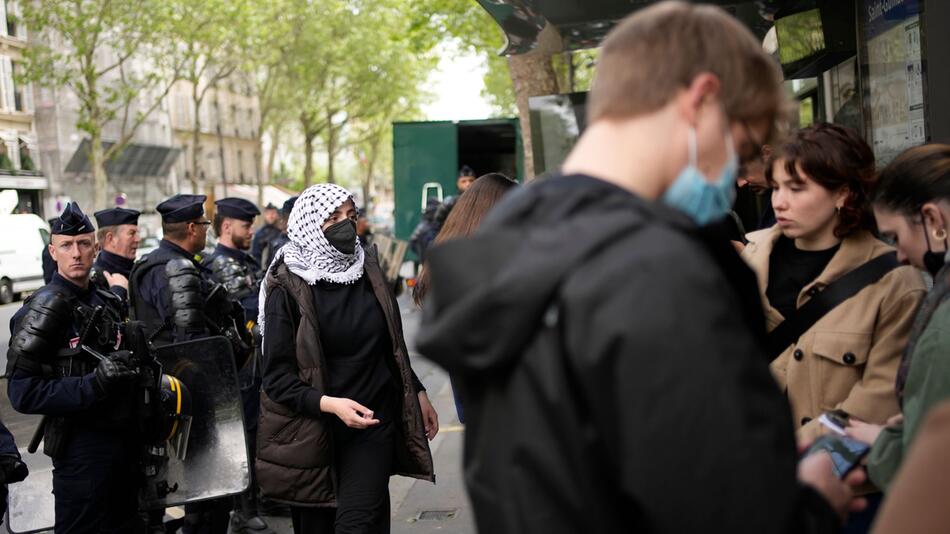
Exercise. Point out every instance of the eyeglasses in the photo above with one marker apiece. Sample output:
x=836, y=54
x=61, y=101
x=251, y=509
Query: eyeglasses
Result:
x=203, y=223
x=756, y=152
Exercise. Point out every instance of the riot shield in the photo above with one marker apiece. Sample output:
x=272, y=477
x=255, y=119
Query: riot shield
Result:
x=30, y=502
x=207, y=456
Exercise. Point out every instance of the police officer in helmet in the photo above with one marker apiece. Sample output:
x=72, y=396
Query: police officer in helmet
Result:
x=87, y=429
x=238, y=271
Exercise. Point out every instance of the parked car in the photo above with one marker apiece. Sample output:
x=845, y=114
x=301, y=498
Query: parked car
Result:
x=21, y=254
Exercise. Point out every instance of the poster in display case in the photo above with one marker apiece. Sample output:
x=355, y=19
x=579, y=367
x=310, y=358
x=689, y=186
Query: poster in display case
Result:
x=894, y=97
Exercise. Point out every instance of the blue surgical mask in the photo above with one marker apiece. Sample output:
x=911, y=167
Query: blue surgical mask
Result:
x=702, y=200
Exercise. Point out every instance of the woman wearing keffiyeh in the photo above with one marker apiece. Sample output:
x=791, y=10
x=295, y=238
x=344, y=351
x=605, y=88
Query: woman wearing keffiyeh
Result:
x=342, y=409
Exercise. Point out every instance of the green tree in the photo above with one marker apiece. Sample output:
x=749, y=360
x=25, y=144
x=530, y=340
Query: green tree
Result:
x=273, y=30
x=357, y=61
x=209, y=36
x=90, y=47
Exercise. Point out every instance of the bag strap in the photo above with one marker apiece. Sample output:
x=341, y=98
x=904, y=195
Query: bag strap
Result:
x=834, y=294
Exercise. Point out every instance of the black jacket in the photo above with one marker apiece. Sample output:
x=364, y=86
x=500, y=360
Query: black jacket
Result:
x=611, y=372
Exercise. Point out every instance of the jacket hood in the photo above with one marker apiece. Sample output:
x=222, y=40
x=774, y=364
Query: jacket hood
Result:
x=489, y=293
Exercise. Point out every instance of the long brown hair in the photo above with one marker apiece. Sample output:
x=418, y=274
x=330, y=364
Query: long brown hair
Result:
x=465, y=217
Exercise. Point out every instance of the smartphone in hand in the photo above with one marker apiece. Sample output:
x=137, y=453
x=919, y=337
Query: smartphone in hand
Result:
x=846, y=453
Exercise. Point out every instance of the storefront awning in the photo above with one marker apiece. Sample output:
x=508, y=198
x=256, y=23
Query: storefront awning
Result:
x=136, y=160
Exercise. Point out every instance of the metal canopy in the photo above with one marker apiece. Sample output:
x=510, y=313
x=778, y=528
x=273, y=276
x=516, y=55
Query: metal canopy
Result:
x=135, y=160
x=584, y=23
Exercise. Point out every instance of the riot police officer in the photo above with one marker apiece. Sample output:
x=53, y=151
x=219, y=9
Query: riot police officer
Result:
x=173, y=294
x=239, y=272
x=118, y=237
x=229, y=263
x=266, y=233
x=85, y=401
x=270, y=250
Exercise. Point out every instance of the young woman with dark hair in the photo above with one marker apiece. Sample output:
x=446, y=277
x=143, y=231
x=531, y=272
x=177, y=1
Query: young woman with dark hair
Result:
x=466, y=216
x=462, y=222
x=341, y=408
x=847, y=359
x=912, y=207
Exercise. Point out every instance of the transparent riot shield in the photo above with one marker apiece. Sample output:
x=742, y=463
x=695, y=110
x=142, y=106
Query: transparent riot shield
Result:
x=30, y=502
x=205, y=457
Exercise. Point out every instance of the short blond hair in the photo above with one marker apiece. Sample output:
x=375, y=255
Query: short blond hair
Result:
x=659, y=50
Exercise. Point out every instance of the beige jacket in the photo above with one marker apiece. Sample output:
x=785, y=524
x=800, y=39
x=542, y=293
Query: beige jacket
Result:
x=848, y=359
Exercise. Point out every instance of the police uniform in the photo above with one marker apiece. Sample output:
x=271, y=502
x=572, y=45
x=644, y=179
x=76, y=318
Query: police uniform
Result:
x=174, y=295
x=240, y=273
x=108, y=262
x=86, y=403
x=263, y=237
x=281, y=239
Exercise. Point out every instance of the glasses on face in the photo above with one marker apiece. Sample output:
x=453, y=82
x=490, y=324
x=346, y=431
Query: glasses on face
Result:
x=203, y=223
x=755, y=153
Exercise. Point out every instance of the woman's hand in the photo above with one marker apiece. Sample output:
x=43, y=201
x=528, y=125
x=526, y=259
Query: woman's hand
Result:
x=861, y=431
x=429, y=418
x=352, y=413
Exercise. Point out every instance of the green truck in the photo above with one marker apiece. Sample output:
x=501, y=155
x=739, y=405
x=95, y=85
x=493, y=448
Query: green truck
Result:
x=428, y=155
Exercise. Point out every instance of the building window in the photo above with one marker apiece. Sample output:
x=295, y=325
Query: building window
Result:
x=9, y=99
x=240, y=165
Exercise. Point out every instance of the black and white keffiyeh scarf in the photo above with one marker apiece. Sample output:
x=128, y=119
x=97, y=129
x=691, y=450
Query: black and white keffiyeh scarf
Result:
x=308, y=254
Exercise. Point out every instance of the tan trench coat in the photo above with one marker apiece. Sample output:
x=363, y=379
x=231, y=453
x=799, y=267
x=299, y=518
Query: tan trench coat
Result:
x=848, y=359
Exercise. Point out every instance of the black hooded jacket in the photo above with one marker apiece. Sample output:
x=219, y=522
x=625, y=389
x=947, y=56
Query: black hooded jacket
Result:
x=609, y=362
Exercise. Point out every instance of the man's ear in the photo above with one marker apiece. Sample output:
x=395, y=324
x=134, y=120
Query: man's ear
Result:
x=52, y=250
x=691, y=101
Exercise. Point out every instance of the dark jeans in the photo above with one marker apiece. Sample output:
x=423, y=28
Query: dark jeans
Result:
x=363, y=461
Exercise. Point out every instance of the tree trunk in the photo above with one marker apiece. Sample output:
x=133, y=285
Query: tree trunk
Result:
x=367, y=181
x=272, y=153
x=196, y=99
x=532, y=75
x=331, y=147
x=260, y=175
x=99, y=178
x=307, y=158
x=195, y=154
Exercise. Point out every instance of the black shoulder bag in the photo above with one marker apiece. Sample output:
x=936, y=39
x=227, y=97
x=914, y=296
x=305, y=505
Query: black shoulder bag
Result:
x=837, y=292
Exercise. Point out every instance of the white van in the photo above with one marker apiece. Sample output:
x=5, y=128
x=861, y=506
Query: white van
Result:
x=22, y=240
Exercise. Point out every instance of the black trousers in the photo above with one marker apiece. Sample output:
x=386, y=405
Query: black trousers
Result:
x=96, y=486
x=363, y=461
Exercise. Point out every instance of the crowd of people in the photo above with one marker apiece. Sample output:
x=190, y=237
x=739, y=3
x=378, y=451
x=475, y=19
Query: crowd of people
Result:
x=80, y=356
x=627, y=361
x=623, y=359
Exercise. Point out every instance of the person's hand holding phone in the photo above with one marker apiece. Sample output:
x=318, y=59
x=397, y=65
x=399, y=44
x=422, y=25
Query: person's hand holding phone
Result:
x=817, y=471
x=868, y=432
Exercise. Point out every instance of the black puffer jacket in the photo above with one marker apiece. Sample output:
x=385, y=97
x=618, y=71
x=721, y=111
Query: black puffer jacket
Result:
x=611, y=372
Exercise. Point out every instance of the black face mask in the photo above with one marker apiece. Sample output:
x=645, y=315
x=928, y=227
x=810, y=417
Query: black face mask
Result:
x=342, y=236
x=934, y=261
